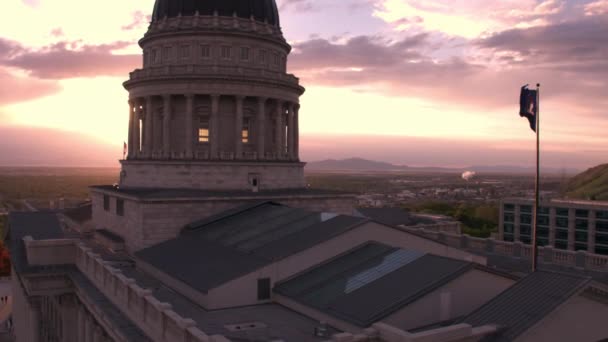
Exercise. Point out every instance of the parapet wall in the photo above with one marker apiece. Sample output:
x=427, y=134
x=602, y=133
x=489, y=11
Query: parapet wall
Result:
x=547, y=254
x=381, y=332
x=157, y=319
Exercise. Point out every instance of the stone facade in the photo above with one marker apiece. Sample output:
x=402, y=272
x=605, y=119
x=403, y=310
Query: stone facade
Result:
x=147, y=221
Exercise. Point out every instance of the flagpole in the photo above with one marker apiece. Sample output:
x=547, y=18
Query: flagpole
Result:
x=537, y=185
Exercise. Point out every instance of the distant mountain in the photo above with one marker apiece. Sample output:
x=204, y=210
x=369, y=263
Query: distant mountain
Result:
x=352, y=164
x=359, y=164
x=591, y=184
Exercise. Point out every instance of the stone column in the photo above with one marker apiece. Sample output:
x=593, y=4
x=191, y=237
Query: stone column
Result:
x=591, y=232
x=280, y=130
x=291, y=132
x=80, y=323
x=137, y=128
x=149, y=127
x=296, y=133
x=261, y=133
x=238, y=127
x=167, y=125
x=189, y=125
x=214, y=138
x=131, y=128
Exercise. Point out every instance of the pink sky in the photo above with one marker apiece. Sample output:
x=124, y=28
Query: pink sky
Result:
x=417, y=82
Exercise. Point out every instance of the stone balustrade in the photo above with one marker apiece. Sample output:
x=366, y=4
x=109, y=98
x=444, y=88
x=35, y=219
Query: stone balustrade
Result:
x=157, y=319
x=213, y=71
x=387, y=333
x=547, y=254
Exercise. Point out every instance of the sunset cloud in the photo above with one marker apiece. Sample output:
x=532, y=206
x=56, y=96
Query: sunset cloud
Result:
x=69, y=59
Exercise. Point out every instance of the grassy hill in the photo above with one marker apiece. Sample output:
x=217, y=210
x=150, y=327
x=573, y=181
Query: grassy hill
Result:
x=591, y=184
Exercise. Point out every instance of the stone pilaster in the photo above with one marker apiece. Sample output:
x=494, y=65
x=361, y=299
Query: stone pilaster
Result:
x=238, y=127
x=131, y=128
x=189, y=136
x=167, y=125
x=280, y=130
x=137, y=128
x=149, y=127
x=261, y=132
x=296, y=136
x=291, y=131
x=214, y=126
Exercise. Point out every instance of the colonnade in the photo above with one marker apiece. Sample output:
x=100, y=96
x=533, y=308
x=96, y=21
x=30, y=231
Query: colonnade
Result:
x=148, y=142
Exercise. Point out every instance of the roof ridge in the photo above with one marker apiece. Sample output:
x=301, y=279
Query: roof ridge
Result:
x=199, y=224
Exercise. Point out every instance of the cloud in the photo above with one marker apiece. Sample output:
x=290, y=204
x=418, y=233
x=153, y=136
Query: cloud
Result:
x=57, y=32
x=32, y=3
x=14, y=89
x=69, y=59
x=139, y=20
x=298, y=5
x=598, y=7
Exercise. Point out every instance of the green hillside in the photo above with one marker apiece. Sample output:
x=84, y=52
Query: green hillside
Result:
x=591, y=184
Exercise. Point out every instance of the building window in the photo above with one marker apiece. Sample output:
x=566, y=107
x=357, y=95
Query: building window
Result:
x=275, y=59
x=580, y=247
x=601, y=239
x=581, y=236
x=525, y=229
x=509, y=217
x=561, y=222
x=509, y=237
x=184, y=51
x=582, y=225
x=509, y=207
x=106, y=202
x=543, y=232
x=582, y=213
x=262, y=57
x=561, y=234
x=154, y=56
x=246, y=130
x=543, y=211
x=203, y=130
x=601, y=215
x=526, y=209
x=264, y=289
x=525, y=219
x=120, y=207
x=543, y=220
x=508, y=228
x=601, y=226
x=561, y=244
x=226, y=52
x=245, y=53
x=562, y=212
x=525, y=239
x=601, y=250
x=205, y=51
x=166, y=53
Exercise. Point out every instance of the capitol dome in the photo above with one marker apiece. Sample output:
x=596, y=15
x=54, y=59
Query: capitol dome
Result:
x=261, y=10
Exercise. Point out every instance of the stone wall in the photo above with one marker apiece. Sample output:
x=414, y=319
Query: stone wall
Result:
x=212, y=175
x=146, y=223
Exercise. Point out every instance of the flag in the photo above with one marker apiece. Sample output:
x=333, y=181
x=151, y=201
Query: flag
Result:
x=528, y=106
x=124, y=150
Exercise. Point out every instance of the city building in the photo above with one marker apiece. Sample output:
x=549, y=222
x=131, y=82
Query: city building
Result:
x=212, y=236
x=564, y=224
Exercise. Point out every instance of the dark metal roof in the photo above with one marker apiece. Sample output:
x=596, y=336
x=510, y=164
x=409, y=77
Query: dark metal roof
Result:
x=371, y=282
x=39, y=225
x=235, y=243
x=393, y=216
x=261, y=10
x=168, y=194
x=80, y=214
x=527, y=302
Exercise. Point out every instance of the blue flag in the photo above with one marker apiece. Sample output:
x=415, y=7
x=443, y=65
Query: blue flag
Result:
x=528, y=105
